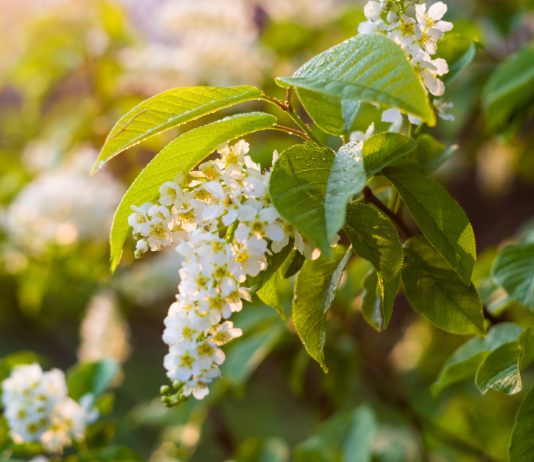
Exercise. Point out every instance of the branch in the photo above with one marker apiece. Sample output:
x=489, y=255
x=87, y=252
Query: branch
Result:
x=370, y=198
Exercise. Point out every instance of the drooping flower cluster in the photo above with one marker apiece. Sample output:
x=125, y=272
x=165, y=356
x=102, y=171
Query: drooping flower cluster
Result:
x=417, y=30
x=38, y=409
x=221, y=219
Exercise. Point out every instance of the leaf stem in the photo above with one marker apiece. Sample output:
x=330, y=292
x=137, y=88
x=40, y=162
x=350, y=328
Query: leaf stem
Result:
x=370, y=198
x=287, y=107
x=292, y=131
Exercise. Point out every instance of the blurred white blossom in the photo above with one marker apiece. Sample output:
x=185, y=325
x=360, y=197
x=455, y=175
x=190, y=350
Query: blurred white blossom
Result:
x=104, y=333
x=63, y=206
x=38, y=409
x=200, y=42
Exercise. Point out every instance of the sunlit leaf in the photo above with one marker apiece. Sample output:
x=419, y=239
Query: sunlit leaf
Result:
x=168, y=110
x=298, y=186
x=368, y=68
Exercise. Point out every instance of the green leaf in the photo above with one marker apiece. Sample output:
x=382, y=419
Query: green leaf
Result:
x=92, y=378
x=168, y=110
x=465, y=361
x=179, y=156
x=459, y=51
x=274, y=262
x=374, y=238
x=513, y=270
x=440, y=218
x=324, y=110
x=510, y=88
x=384, y=148
x=347, y=178
x=522, y=444
x=436, y=292
x=263, y=330
x=268, y=294
x=374, y=308
x=347, y=437
x=293, y=264
x=501, y=369
x=298, y=186
x=368, y=68
x=429, y=155
x=352, y=166
x=315, y=289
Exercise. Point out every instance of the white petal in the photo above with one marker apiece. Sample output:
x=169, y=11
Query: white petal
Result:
x=437, y=11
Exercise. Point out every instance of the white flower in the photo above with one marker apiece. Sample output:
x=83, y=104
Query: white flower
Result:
x=38, y=409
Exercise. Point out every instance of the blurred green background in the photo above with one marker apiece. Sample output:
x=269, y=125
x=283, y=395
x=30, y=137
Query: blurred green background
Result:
x=70, y=68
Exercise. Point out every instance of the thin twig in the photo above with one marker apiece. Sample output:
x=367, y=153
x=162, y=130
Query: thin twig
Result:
x=292, y=131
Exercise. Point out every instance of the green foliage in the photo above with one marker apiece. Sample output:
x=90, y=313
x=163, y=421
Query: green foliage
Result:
x=374, y=238
x=347, y=437
x=298, y=187
x=501, y=369
x=168, y=110
x=178, y=157
x=93, y=378
x=315, y=289
x=509, y=89
x=437, y=293
x=522, y=444
x=440, y=218
x=383, y=149
x=367, y=68
x=513, y=270
x=352, y=167
x=465, y=361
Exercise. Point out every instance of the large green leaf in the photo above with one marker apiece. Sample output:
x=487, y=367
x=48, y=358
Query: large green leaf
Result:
x=384, y=148
x=465, y=361
x=501, y=369
x=510, y=88
x=168, y=110
x=440, y=218
x=179, y=156
x=314, y=292
x=346, y=437
x=298, y=186
x=436, y=292
x=324, y=110
x=374, y=238
x=93, y=378
x=368, y=68
x=513, y=270
x=352, y=166
x=522, y=444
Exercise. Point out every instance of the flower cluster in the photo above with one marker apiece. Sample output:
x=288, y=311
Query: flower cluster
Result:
x=221, y=219
x=186, y=40
x=38, y=409
x=63, y=206
x=417, y=30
